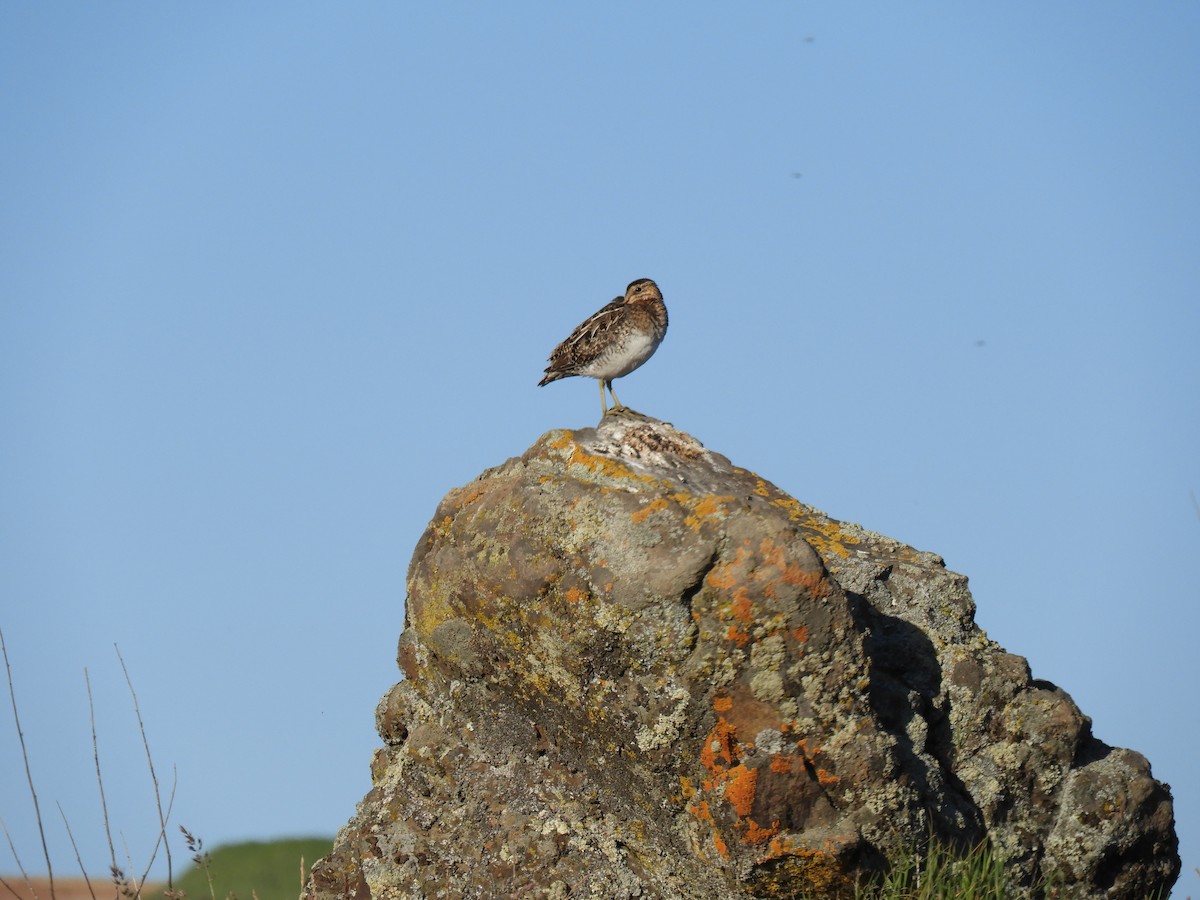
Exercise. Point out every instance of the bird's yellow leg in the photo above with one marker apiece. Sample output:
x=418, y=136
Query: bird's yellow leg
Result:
x=617, y=404
x=603, y=400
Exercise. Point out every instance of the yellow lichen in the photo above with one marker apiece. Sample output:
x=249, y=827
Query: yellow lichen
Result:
x=705, y=507
x=804, y=871
x=599, y=465
x=464, y=497
x=640, y=515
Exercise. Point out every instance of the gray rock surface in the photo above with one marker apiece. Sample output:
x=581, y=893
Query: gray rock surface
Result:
x=632, y=669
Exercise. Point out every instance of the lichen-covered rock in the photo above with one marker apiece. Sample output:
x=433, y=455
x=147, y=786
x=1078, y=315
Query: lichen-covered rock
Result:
x=632, y=669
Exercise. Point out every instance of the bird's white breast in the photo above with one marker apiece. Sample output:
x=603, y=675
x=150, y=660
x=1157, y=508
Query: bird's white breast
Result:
x=624, y=356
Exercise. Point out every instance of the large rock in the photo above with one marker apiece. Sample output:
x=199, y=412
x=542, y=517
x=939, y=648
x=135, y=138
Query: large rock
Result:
x=632, y=669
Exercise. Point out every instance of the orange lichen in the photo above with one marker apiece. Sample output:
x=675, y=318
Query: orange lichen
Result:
x=733, y=781
x=800, y=633
x=782, y=764
x=749, y=715
x=813, y=582
x=723, y=575
x=781, y=845
x=717, y=754
x=742, y=607
x=574, y=594
x=826, y=777
x=721, y=578
x=740, y=788
x=756, y=834
x=699, y=809
x=771, y=552
x=739, y=637
x=468, y=495
x=790, y=572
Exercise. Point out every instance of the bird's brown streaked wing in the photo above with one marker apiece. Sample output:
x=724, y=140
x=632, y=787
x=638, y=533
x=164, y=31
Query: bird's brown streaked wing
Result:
x=581, y=345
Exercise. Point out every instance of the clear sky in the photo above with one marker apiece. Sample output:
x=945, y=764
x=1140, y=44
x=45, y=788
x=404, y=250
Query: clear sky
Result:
x=276, y=276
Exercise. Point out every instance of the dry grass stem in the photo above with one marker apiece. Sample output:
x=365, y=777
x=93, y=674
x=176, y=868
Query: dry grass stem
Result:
x=201, y=858
x=112, y=850
x=121, y=882
x=130, y=888
x=16, y=856
x=20, y=867
x=162, y=816
x=37, y=810
x=75, y=847
x=8, y=887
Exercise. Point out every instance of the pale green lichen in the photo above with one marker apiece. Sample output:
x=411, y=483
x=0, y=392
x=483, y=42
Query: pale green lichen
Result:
x=767, y=686
x=667, y=727
x=769, y=653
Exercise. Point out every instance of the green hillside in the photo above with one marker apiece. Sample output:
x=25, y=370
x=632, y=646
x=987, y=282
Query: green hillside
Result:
x=270, y=870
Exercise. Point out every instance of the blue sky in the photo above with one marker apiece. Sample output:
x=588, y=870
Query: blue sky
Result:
x=275, y=277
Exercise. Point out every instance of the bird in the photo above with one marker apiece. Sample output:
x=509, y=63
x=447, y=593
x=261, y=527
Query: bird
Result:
x=613, y=341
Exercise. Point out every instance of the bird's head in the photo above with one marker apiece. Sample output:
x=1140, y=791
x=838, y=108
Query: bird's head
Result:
x=642, y=291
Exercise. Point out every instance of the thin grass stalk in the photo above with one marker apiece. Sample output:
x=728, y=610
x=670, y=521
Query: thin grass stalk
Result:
x=12, y=890
x=17, y=857
x=75, y=847
x=112, y=849
x=161, y=840
x=162, y=819
x=37, y=810
x=121, y=882
x=134, y=887
x=201, y=858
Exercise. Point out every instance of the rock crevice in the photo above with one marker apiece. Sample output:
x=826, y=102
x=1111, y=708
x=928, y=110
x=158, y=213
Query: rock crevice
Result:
x=632, y=669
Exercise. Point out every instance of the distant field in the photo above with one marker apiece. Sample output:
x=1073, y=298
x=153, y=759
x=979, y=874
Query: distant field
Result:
x=269, y=870
x=272, y=870
x=64, y=888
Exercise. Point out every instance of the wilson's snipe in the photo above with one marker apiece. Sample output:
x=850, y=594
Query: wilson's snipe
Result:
x=614, y=341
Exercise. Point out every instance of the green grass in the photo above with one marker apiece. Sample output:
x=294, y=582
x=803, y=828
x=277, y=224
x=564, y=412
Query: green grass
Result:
x=941, y=874
x=944, y=874
x=266, y=870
